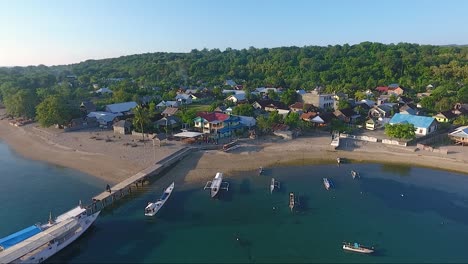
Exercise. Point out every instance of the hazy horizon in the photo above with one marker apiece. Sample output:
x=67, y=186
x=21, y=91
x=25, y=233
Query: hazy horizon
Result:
x=66, y=32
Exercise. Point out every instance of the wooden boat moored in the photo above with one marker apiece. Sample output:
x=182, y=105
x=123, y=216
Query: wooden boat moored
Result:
x=291, y=201
x=356, y=247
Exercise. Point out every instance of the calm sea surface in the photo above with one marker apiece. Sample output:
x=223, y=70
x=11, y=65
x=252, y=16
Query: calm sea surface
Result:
x=408, y=214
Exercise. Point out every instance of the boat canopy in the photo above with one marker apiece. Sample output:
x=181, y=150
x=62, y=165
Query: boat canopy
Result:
x=356, y=245
x=19, y=236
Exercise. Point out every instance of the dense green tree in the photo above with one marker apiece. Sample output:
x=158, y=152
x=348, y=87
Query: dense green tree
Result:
x=400, y=131
x=141, y=119
x=461, y=120
x=292, y=120
x=343, y=104
x=244, y=110
x=187, y=116
x=288, y=97
x=272, y=95
x=53, y=111
x=21, y=104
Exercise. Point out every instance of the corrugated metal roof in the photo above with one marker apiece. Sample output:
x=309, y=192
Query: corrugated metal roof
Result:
x=121, y=107
x=417, y=121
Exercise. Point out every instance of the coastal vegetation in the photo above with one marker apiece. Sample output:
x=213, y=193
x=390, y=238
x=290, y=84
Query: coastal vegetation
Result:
x=400, y=131
x=341, y=68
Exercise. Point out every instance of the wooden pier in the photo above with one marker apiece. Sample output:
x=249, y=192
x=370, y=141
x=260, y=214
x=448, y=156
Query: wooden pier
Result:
x=124, y=187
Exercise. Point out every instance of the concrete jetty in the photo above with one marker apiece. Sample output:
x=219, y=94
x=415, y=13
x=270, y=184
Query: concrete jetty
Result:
x=125, y=187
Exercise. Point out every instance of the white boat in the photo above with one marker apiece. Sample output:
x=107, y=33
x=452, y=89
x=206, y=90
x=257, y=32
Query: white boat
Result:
x=152, y=208
x=260, y=171
x=292, y=201
x=356, y=247
x=272, y=185
x=216, y=184
x=354, y=174
x=338, y=160
x=326, y=183
x=37, y=243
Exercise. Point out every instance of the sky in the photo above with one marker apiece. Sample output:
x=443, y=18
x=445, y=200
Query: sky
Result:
x=56, y=32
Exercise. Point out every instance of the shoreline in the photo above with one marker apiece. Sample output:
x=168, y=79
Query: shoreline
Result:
x=116, y=163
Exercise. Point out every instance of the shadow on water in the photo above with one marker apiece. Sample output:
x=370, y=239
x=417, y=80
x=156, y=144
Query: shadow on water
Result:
x=402, y=170
x=105, y=235
x=418, y=199
x=244, y=187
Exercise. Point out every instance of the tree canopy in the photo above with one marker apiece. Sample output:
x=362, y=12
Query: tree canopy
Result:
x=400, y=131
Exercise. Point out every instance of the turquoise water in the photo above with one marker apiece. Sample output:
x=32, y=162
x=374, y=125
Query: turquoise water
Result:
x=408, y=214
x=30, y=190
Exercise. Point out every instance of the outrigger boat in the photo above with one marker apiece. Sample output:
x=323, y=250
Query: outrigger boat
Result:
x=291, y=201
x=152, y=208
x=356, y=247
x=326, y=183
x=38, y=242
x=260, y=171
x=354, y=174
x=274, y=184
x=216, y=184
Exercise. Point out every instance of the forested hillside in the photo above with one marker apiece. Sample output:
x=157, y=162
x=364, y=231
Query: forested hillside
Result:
x=338, y=68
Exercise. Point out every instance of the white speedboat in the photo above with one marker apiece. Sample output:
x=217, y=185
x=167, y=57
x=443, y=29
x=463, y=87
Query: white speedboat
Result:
x=152, y=208
x=354, y=174
x=37, y=243
x=356, y=247
x=338, y=160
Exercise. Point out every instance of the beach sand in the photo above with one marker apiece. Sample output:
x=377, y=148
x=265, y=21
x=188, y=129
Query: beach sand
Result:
x=114, y=160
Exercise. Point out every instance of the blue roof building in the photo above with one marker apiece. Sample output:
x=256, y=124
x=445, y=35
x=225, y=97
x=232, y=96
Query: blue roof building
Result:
x=424, y=125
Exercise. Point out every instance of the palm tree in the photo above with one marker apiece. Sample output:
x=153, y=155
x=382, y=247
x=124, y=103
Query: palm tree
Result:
x=141, y=118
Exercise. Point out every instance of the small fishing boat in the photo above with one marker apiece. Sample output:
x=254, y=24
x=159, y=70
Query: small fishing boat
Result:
x=326, y=183
x=260, y=171
x=356, y=247
x=152, y=208
x=338, y=160
x=291, y=201
x=354, y=174
x=216, y=184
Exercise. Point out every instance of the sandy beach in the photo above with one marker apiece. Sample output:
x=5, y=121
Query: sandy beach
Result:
x=99, y=153
x=112, y=158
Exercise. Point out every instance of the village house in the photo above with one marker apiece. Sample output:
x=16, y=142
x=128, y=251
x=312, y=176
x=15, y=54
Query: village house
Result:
x=408, y=110
x=424, y=125
x=122, y=127
x=299, y=107
x=371, y=124
x=217, y=124
x=347, y=115
x=105, y=119
x=318, y=99
x=168, y=122
x=123, y=108
x=104, y=90
x=170, y=111
x=164, y=104
x=231, y=83
x=394, y=88
x=460, y=135
x=445, y=116
x=381, y=111
x=308, y=116
x=184, y=98
x=269, y=105
x=237, y=98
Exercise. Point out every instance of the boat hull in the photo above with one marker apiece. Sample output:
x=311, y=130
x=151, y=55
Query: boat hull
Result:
x=153, y=208
x=48, y=251
x=358, y=250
